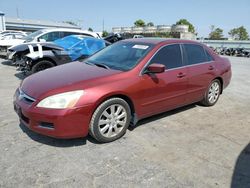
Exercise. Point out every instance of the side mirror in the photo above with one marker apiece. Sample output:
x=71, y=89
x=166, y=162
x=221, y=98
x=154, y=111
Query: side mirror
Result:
x=155, y=68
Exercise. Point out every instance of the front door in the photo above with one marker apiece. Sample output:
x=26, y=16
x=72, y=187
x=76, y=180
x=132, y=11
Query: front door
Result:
x=164, y=91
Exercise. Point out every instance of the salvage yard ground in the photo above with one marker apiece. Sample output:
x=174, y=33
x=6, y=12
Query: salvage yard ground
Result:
x=193, y=146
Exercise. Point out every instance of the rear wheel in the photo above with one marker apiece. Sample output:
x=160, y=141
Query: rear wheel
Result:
x=110, y=120
x=212, y=94
x=42, y=65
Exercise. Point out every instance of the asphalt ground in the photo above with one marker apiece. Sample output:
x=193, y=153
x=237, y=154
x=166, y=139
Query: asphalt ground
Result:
x=193, y=146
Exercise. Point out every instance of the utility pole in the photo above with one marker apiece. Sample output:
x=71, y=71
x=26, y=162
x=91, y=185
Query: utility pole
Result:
x=102, y=24
x=17, y=12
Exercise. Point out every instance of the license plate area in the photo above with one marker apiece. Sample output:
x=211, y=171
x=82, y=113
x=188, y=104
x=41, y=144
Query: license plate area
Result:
x=20, y=114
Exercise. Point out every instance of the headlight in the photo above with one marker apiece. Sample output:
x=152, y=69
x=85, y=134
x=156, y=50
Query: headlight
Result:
x=62, y=100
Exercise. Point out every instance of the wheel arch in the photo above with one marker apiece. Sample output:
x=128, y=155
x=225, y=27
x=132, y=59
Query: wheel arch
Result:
x=221, y=82
x=47, y=59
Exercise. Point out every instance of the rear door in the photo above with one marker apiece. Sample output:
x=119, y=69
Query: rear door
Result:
x=164, y=91
x=201, y=71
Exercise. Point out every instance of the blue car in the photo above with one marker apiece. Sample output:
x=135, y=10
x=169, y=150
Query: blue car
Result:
x=40, y=56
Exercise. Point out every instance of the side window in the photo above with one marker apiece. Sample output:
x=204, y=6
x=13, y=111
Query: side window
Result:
x=75, y=33
x=195, y=54
x=209, y=57
x=170, y=56
x=65, y=34
x=50, y=36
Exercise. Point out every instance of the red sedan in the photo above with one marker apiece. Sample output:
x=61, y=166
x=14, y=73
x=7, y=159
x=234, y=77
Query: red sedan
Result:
x=121, y=84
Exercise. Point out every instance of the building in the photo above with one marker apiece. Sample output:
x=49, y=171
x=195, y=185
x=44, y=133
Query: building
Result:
x=179, y=31
x=30, y=25
x=2, y=22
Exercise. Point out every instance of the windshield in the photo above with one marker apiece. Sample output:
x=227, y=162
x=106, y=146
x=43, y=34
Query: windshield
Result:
x=31, y=36
x=121, y=55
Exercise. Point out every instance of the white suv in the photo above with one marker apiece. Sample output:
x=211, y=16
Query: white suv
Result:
x=44, y=35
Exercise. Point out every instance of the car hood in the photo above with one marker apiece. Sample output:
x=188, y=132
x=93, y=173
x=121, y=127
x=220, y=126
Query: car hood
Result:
x=11, y=42
x=68, y=77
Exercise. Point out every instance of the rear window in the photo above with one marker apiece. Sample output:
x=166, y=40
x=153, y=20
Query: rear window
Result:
x=209, y=57
x=195, y=54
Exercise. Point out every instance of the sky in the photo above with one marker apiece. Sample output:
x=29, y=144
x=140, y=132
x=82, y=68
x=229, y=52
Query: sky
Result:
x=226, y=14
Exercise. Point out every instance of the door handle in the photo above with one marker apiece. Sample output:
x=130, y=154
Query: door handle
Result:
x=211, y=67
x=181, y=75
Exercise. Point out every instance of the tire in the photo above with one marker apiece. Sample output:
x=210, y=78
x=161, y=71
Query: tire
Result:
x=110, y=120
x=212, y=94
x=41, y=65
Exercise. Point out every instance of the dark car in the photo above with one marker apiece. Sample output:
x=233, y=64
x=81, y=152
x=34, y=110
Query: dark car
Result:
x=119, y=85
x=71, y=48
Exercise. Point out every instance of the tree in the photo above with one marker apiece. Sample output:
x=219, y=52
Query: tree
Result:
x=105, y=33
x=216, y=34
x=90, y=29
x=150, y=24
x=139, y=23
x=239, y=33
x=185, y=22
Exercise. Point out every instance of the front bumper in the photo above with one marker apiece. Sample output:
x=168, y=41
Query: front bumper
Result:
x=69, y=123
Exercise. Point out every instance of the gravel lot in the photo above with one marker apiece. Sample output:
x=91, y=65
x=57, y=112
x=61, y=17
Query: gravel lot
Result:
x=193, y=146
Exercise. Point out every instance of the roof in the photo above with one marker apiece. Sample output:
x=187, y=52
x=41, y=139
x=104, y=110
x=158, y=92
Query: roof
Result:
x=43, y=23
x=159, y=40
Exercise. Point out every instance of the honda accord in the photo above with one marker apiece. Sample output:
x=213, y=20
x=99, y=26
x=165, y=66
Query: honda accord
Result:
x=119, y=85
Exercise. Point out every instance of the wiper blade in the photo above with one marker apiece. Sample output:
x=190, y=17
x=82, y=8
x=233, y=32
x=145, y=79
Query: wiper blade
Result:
x=98, y=64
x=101, y=65
x=89, y=63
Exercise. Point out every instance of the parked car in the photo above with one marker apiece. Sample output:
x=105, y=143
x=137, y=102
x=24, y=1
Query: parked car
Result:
x=119, y=85
x=138, y=36
x=10, y=36
x=12, y=32
x=61, y=51
x=113, y=37
x=44, y=35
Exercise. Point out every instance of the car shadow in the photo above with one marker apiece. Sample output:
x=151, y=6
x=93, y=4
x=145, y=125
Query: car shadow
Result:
x=241, y=174
x=21, y=75
x=56, y=142
x=7, y=62
x=162, y=115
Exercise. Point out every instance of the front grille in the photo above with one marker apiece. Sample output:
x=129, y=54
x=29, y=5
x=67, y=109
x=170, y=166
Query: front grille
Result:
x=26, y=98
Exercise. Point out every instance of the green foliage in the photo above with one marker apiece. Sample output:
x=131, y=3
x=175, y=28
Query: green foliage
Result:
x=186, y=22
x=105, y=33
x=90, y=29
x=239, y=33
x=139, y=23
x=150, y=24
x=163, y=35
x=216, y=34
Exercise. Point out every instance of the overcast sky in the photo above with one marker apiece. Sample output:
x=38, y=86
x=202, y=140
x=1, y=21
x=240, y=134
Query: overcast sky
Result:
x=225, y=14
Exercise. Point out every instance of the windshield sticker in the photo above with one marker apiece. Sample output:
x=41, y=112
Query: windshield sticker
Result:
x=143, y=47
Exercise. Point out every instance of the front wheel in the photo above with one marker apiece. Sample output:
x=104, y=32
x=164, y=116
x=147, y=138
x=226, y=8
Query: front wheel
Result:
x=212, y=94
x=110, y=120
x=42, y=65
